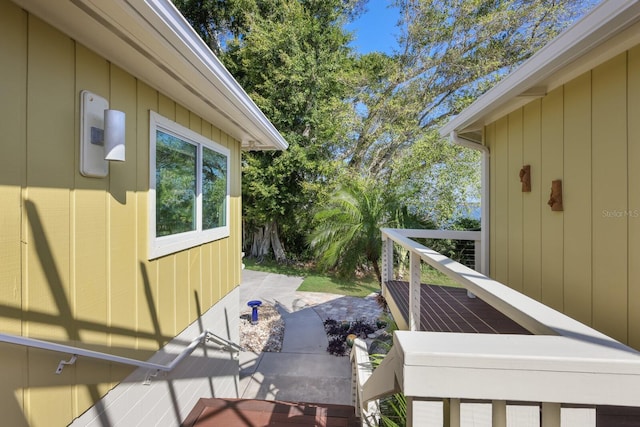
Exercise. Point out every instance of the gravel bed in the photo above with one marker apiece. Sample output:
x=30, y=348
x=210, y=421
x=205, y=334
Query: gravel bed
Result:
x=266, y=335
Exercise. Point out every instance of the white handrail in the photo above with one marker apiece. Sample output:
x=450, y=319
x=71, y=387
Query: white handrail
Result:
x=568, y=363
x=77, y=351
x=529, y=313
x=369, y=411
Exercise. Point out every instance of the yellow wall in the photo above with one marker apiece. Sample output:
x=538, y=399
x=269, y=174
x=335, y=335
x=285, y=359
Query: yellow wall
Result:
x=584, y=260
x=73, y=250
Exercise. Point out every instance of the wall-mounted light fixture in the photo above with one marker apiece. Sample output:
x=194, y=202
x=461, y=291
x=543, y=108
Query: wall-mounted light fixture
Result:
x=102, y=135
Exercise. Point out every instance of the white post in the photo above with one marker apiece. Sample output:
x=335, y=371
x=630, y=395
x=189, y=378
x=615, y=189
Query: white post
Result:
x=499, y=413
x=454, y=412
x=387, y=260
x=523, y=415
x=476, y=414
x=550, y=414
x=478, y=256
x=355, y=398
x=578, y=417
x=556, y=415
x=414, y=292
x=478, y=264
x=424, y=413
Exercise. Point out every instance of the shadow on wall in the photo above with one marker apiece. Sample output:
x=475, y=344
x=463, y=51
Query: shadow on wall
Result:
x=29, y=368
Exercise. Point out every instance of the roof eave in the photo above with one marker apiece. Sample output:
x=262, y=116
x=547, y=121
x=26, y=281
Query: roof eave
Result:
x=152, y=41
x=539, y=74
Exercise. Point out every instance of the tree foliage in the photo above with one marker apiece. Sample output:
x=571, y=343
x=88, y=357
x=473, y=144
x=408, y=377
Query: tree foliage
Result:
x=216, y=20
x=295, y=65
x=346, y=231
x=371, y=116
x=175, y=185
x=436, y=179
x=450, y=51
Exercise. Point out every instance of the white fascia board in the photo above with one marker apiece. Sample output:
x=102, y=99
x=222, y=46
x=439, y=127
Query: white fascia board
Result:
x=604, y=22
x=154, y=43
x=210, y=66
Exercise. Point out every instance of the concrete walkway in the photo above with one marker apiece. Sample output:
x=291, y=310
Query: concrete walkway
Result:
x=303, y=371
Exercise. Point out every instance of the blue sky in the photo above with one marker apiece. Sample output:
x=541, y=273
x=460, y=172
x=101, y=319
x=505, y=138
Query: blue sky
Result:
x=375, y=30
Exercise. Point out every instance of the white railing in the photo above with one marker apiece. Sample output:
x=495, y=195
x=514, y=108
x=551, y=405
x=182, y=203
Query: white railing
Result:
x=554, y=378
x=361, y=370
x=403, y=238
x=75, y=352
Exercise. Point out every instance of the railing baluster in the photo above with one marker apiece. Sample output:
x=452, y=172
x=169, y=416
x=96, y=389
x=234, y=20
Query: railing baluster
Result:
x=414, y=292
x=546, y=371
x=523, y=415
x=577, y=417
x=550, y=414
x=424, y=412
x=454, y=412
x=475, y=414
x=387, y=259
x=362, y=369
x=499, y=413
x=477, y=256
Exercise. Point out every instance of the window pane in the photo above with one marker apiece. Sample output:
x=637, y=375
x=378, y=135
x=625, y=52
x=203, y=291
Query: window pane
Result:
x=175, y=185
x=214, y=189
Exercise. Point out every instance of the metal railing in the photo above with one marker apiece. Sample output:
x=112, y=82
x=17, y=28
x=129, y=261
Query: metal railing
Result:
x=529, y=313
x=403, y=238
x=76, y=352
x=469, y=242
x=554, y=378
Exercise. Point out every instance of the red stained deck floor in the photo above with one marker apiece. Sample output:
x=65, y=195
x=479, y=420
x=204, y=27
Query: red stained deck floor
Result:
x=258, y=413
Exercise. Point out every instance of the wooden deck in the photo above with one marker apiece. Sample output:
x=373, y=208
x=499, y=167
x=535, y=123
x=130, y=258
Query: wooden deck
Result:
x=257, y=413
x=449, y=309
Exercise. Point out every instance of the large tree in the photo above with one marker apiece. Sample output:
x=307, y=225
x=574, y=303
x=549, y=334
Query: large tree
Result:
x=346, y=233
x=292, y=57
x=294, y=62
x=373, y=114
x=449, y=52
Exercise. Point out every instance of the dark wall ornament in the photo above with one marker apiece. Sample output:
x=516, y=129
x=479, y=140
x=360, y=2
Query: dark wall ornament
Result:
x=525, y=178
x=555, y=200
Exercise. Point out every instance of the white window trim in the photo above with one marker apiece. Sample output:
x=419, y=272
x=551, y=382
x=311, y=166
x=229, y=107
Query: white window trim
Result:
x=165, y=245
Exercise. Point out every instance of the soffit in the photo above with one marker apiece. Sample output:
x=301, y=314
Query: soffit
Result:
x=153, y=42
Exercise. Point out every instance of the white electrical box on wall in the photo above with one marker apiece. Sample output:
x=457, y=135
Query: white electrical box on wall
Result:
x=92, y=161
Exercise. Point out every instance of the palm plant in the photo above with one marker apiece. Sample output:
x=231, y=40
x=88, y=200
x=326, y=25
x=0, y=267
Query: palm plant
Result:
x=393, y=408
x=347, y=230
x=393, y=411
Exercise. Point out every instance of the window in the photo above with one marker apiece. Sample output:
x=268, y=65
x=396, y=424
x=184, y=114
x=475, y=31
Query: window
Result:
x=189, y=188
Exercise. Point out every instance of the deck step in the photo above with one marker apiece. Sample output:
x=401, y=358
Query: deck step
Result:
x=258, y=413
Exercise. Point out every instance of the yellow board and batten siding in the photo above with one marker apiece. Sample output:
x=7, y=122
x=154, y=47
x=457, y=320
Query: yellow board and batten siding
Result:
x=633, y=152
x=584, y=260
x=609, y=145
x=578, y=189
x=514, y=164
x=13, y=86
x=532, y=203
x=552, y=256
x=73, y=250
